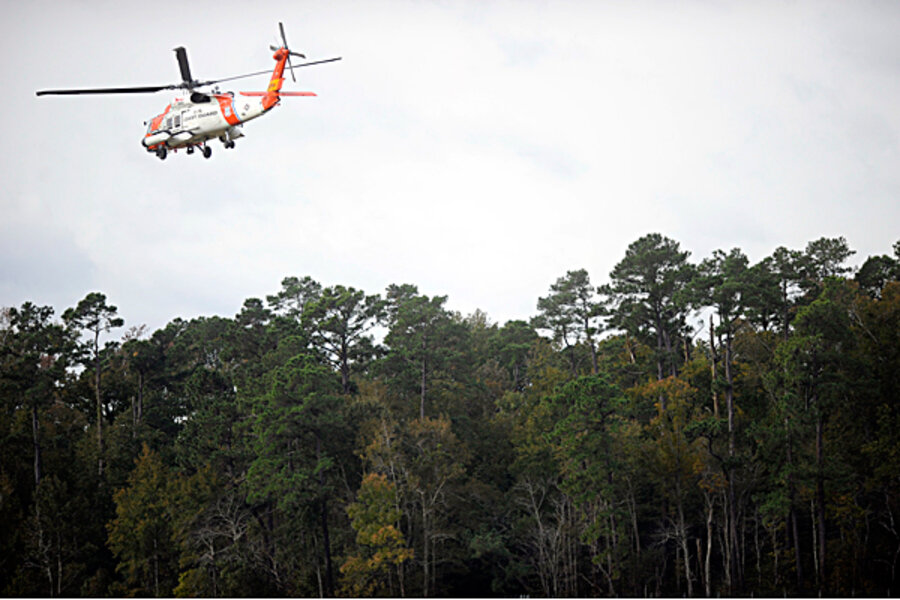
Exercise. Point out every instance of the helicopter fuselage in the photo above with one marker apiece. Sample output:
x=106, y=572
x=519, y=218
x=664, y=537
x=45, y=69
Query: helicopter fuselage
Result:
x=186, y=123
x=191, y=122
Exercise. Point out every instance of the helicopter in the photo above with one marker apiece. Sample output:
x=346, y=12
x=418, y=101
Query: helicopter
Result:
x=189, y=122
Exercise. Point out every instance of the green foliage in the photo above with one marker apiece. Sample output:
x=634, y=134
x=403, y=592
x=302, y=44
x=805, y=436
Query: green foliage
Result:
x=571, y=313
x=648, y=294
x=340, y=318
x=327, y=440
x=876, y=272
x=427, y=350
x=141, y=534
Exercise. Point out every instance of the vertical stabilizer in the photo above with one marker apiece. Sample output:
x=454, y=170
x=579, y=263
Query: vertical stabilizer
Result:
x=273, y=94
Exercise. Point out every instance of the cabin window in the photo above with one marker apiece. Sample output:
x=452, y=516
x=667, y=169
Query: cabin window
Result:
x=169, y=123
x=177, y=120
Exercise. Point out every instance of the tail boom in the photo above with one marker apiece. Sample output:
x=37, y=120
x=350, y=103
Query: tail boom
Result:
x=273, y=94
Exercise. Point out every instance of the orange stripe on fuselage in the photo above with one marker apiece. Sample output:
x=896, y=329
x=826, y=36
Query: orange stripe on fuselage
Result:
x=226, y=105
x=156, y=124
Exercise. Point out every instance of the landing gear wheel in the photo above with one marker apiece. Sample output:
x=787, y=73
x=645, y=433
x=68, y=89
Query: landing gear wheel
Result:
x=229, y=144
x=190, y=149
x=207, y=151
x=161, y=153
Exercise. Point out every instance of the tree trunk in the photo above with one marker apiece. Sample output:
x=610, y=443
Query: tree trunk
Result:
x=543, y=555
x=659, y=351
x=729, y=393
x=632, y=508
x=682, y=536
x=792, y=512
x=59, y=565
x=425, y=554
x=775, y=576
x=424, y=371
x=726, y=542
x=756, y=546
x=786, y=312
x=572, y=361
x=820, y=498
x=266, y=527
x=214, y=570
x=433, y=563
x=345, y=367
x=155, y=569
x=140, y=398
x=571, y=550
x=732, y=502
x=707, y=579
x=630, y=349
x=673, y=371
x=712, y=365
x=590, y=340
x=99, y=400
x=36, y=441
x=43, y=548
x=659, y=361
x=815, y=534
x=516, y=377
x=329, y=574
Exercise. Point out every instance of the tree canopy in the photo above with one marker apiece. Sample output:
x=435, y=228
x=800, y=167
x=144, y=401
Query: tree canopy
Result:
x=676, y=428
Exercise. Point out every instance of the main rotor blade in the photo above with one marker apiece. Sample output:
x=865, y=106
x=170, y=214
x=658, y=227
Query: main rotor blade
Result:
x=317, y=62
x=291, y=67
x=181, y=53
x=155, y=88
x=283, y=39
x=268, y=71
x=121, y=90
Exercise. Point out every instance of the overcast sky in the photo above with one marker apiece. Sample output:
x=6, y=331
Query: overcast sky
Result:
x=476, y=149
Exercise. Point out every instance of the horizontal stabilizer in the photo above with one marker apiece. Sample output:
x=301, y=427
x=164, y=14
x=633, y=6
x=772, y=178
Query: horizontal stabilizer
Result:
x=279, y=93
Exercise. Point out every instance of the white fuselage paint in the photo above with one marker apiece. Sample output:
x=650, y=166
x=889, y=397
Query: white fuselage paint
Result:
x=186, y=123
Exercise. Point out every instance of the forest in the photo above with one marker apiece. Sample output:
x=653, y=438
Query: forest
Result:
x=678, y=427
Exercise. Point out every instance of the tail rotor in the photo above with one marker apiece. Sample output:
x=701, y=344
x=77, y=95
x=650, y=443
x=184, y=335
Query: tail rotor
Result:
x=290, y=53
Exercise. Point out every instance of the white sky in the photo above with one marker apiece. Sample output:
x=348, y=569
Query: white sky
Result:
x=476, y=149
